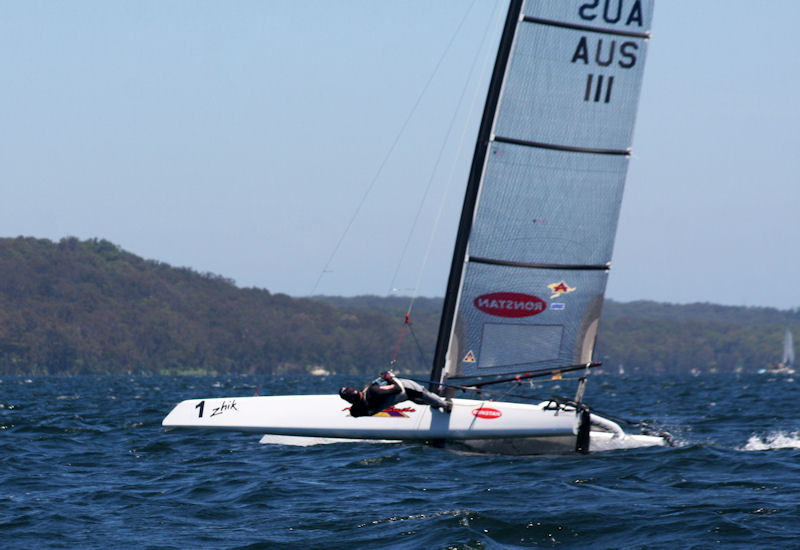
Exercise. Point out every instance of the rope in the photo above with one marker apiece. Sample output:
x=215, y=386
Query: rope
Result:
x=419, y=347
x=387, y=156
x=451, y=175
x=512, y=388
x=407, y=323
x=445, y=193
x=436, y=167
x=397, y=347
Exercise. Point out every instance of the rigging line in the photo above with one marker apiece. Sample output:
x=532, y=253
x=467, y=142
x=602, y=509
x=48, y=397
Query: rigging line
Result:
x=387, y=156
x=438, y=161
x=419, y=347
x=399, y=340
x=518, y=384
x=487, y=58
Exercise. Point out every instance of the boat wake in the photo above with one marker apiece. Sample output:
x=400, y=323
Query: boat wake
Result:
x=772, y=441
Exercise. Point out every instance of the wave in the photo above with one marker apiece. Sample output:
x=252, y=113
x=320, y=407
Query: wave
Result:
x=774, y=440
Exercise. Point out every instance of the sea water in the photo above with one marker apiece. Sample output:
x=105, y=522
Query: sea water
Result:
x=85, y=463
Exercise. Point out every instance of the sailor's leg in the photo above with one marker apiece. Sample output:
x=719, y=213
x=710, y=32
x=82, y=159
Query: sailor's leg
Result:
x=418, y=394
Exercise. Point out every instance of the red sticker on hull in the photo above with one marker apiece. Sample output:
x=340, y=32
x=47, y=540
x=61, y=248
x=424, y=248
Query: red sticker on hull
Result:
x=487, y=413
x=510, y=304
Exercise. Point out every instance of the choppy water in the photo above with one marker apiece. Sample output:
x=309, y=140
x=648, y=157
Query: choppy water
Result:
x=84, y=463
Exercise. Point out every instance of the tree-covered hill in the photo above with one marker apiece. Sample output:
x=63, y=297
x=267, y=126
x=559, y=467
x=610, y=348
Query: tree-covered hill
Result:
x=89, y=307
x=650, y=336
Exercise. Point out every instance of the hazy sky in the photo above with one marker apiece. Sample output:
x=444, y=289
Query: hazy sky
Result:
x=240, y=138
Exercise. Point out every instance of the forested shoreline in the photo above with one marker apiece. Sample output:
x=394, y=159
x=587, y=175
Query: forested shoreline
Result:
x=89, y=307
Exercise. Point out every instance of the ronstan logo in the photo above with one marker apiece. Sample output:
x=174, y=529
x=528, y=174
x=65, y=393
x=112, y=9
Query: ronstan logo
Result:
x=487, y=413
x=510, y=304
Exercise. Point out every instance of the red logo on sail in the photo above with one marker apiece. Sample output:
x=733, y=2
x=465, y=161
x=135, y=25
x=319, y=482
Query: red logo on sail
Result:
x=510, y=304
x=487, y=413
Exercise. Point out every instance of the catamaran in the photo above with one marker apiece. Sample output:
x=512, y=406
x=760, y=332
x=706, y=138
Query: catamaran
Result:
x=531, y=257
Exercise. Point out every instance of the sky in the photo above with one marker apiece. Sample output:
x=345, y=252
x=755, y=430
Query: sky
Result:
x=315, y=147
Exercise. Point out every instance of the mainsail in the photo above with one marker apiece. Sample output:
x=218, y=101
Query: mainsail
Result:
x=543, y=197
x=788, y=349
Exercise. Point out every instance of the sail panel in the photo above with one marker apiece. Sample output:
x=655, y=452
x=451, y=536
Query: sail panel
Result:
x=571, y=88
x=506, y=344
x=548, y=207
x=511, y=319
x=623, y=16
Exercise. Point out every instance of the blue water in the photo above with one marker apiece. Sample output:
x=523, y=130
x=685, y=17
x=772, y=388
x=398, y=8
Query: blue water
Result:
x=84, y=463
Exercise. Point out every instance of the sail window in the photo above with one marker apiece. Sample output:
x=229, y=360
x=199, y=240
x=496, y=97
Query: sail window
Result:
x=514, y=344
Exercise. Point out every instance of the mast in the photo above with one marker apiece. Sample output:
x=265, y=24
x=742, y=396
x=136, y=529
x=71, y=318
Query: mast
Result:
x=473, y=186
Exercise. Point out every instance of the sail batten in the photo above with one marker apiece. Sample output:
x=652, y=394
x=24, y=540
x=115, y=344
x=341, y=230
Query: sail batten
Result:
x=556, y=147
x=537, y=231
x=601, y=267
x=573, y=26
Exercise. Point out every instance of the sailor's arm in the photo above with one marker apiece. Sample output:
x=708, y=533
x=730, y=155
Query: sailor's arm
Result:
x=392, y=379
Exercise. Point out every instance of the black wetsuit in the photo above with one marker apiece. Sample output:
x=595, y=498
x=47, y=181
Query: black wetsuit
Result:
x=375, y=399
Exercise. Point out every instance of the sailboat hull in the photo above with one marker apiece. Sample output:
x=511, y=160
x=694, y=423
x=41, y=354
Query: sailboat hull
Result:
x=599, y=441
x=472, y=426
x=328, y=416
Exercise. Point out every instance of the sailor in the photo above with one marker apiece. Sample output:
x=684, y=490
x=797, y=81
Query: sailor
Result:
x=377, y=397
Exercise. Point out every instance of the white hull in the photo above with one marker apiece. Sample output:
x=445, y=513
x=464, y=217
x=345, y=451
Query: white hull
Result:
x=599, y=441
x=473, y=425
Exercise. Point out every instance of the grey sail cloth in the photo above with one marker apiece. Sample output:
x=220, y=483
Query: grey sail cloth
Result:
x=527, y=286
